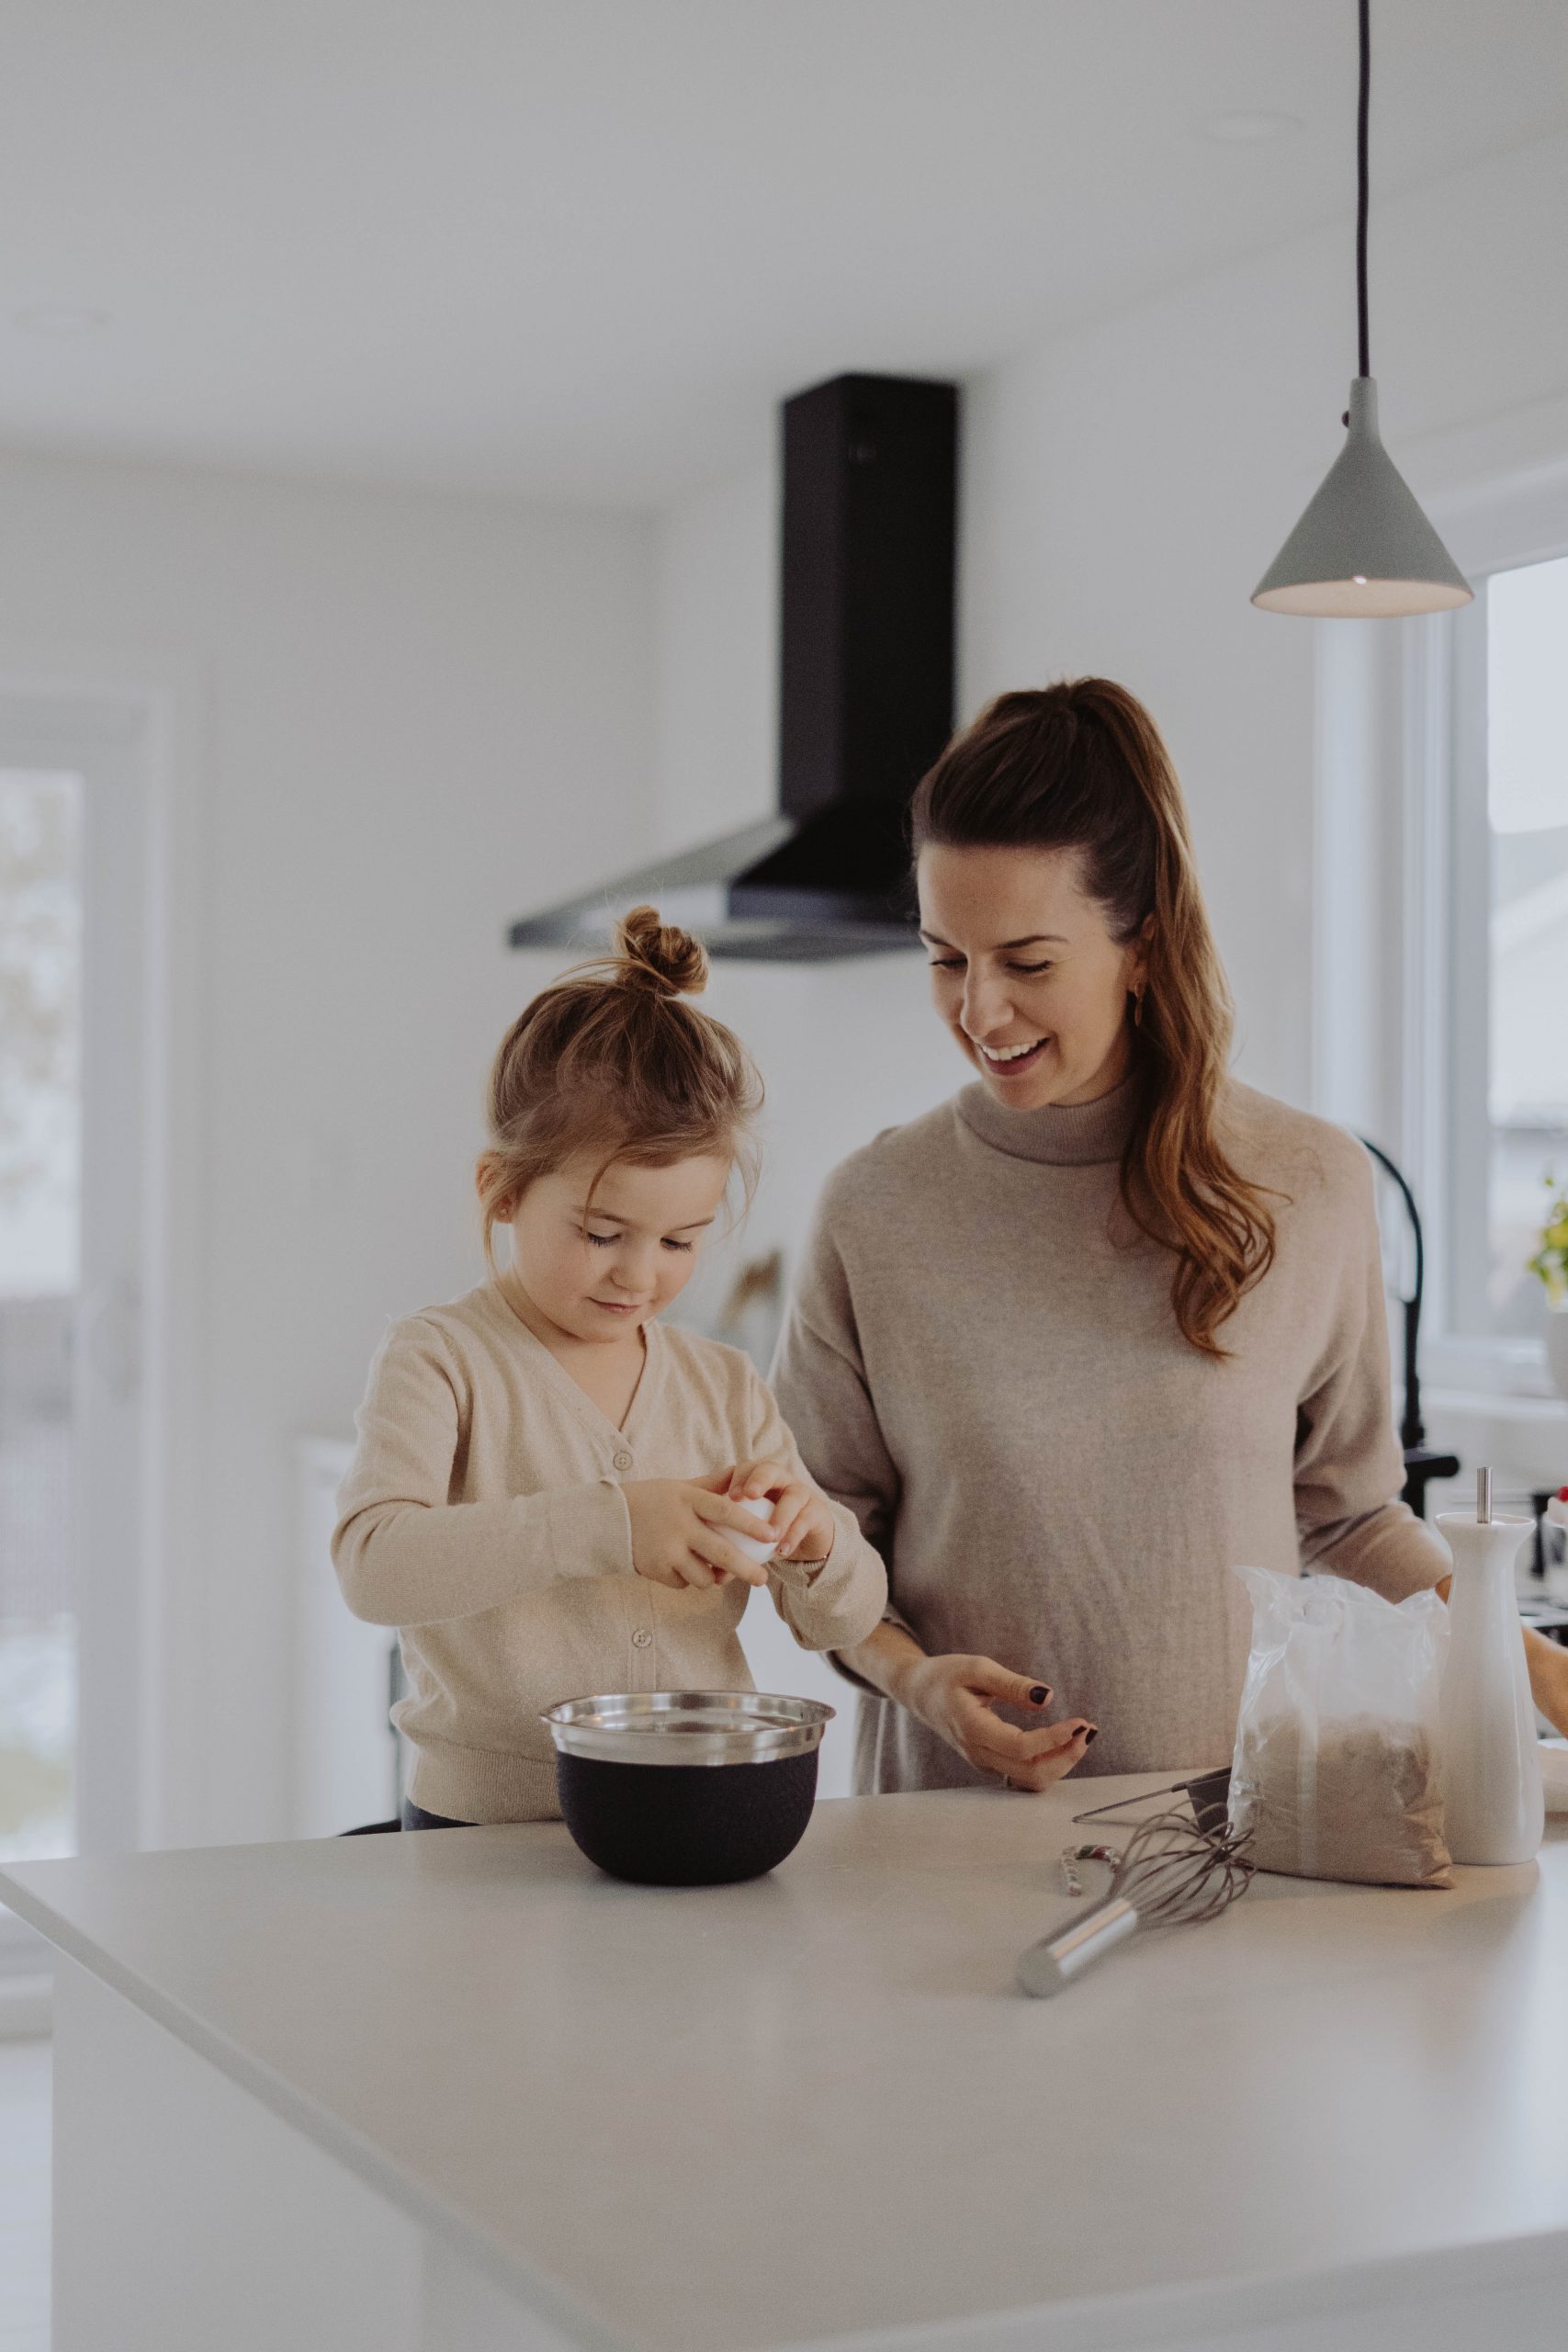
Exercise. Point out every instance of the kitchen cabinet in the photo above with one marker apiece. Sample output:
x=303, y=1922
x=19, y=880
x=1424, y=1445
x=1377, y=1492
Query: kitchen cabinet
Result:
x=459, y=2091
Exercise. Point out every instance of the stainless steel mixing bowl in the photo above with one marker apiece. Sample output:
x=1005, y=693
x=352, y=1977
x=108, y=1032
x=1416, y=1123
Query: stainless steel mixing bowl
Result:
x=687, y=1727
x=687, y=1788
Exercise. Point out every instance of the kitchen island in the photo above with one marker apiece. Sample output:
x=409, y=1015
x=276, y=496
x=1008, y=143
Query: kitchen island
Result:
x=458, y=2093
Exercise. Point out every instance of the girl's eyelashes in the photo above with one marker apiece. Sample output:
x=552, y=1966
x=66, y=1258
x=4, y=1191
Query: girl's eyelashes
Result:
x=606, y=1240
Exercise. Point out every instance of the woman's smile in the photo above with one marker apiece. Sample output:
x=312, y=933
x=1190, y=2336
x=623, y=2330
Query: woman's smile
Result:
x=1010, y=1061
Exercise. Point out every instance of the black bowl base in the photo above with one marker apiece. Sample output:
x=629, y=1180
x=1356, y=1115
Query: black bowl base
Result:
x=687, y=1825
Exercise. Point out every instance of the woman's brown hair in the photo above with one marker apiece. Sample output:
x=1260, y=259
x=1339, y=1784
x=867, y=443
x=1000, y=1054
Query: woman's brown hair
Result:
x=1082, y=767
x=614, y=1058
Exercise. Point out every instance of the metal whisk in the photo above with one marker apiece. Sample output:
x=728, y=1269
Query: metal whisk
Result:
x=1170, y=1871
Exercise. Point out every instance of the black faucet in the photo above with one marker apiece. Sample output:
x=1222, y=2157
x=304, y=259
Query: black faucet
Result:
x=1422, y=1464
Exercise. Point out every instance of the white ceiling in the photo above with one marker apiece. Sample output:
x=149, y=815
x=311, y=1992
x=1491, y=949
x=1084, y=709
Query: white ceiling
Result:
x=578, y=248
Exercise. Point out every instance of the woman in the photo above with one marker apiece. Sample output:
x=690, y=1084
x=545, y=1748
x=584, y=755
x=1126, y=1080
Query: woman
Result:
x=1106, y=1324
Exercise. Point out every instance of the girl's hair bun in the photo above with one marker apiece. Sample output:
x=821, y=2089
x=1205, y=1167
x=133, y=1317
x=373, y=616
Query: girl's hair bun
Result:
x=614, y=1059
x=657, y=956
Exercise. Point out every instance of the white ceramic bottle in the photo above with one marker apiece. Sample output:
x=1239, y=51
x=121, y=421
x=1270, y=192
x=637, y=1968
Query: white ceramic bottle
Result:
x=1494, y=1803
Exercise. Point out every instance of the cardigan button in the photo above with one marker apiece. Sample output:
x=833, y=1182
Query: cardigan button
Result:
x=641, y=1638
x=623, y=1461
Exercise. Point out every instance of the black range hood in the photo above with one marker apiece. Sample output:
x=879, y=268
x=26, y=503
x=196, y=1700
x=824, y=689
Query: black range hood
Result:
x=866, y=695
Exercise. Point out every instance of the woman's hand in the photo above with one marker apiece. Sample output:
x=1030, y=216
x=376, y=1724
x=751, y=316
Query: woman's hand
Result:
x=802, y=1520
x=954, y=1697
x=676, y=1532
x=1548, y=1663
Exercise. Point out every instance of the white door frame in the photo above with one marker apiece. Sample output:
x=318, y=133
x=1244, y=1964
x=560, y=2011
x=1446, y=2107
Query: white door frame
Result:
x=134, y=725
x=98, y=741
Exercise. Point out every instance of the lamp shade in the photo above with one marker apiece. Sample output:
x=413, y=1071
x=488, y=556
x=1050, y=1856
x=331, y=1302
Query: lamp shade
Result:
x=1364, y=550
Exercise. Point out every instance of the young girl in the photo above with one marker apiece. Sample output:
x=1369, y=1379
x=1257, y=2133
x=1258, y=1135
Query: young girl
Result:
x=546, y=1475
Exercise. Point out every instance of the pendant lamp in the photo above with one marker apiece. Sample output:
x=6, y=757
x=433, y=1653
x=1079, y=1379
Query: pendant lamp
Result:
x=1364, y=550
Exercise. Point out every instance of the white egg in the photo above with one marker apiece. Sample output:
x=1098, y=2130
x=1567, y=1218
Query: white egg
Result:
x=753, y=1547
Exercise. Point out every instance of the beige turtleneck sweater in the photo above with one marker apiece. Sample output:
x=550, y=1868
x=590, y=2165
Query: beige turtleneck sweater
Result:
x=483, y=1514
x=997, y=1388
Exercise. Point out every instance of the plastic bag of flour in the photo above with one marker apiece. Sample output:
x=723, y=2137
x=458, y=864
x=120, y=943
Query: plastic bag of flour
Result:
x=1337, y=1770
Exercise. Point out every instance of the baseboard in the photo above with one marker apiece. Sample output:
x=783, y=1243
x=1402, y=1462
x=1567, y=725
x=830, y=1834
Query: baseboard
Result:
x=26, y=2007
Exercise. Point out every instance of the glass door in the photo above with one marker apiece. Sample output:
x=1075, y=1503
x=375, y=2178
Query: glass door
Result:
x=74, y=890
x=41, y=1131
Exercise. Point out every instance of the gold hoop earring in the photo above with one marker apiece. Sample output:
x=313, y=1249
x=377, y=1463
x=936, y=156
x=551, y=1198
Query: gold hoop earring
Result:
x=1137, y=1008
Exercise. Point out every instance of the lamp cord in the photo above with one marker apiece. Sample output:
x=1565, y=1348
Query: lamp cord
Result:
x=1363, y=110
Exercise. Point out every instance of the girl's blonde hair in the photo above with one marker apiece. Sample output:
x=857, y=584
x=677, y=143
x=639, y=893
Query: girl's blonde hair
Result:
x=613, y=1058
x=1081, y=765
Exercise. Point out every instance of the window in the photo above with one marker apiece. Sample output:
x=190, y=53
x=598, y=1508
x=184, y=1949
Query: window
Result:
x=1508, y=1095
x=1526, y=708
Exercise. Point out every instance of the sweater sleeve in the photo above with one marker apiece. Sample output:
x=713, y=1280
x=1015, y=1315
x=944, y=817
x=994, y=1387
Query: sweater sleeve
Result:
x=821, y=1381
x=406, y=1556
x=824, y=1607
x=1348, y=1466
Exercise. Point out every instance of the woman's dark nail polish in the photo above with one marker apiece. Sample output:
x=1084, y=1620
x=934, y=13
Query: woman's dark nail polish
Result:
x=1091, y=1734
x=1039, y=1694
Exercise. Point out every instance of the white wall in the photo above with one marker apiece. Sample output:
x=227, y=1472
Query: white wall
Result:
x=422, y=714
x=1124, y=488
x=717, y=659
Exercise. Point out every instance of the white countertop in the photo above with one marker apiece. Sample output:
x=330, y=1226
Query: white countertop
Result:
x=765, y=2115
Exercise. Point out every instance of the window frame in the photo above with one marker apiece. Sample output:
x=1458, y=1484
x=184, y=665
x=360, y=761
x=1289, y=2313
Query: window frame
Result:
x=1445, y=920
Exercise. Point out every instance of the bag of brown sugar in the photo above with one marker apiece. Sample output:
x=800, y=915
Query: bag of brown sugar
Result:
x=1337, y=1771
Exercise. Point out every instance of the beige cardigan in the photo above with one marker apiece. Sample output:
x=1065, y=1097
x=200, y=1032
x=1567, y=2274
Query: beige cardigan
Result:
x=483, y=1514
x=989, y=1375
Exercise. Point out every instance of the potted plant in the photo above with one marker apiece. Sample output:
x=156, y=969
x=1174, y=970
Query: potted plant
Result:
x=1551, y=1262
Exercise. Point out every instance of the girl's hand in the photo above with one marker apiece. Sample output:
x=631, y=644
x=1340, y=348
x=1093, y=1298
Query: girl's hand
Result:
x=802, y=1521
x=954, y=1696
x=677, y=1537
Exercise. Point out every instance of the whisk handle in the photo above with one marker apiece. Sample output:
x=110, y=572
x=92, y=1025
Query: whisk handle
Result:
x=1056, y=1961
